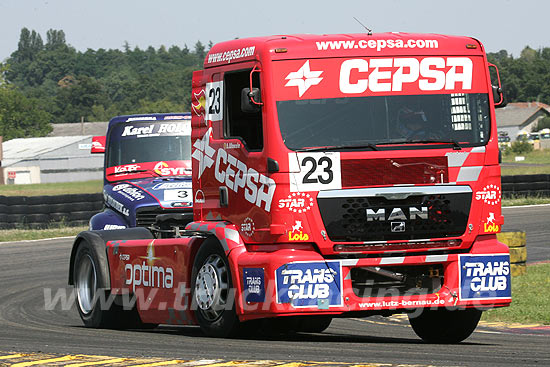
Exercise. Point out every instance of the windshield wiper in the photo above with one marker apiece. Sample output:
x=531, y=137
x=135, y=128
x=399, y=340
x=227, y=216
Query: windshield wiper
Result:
x=455, y=144
x=338, y=147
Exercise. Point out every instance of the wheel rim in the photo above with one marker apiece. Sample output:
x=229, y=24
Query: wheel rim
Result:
x=86, y=284
x=212, y=287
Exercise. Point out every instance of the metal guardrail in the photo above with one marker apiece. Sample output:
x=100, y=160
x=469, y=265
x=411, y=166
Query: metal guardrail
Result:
x=526, y=185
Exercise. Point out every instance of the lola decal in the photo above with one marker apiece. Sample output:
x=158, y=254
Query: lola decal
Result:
x=296, y=234
x=303, y=78
x=490, y=194
x=310, y=284
x=484, y=276
x=257, y=188
x=490, y=226
x=297, y=202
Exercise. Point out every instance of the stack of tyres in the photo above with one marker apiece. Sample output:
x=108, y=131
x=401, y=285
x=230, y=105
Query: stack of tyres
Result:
x=518, y=251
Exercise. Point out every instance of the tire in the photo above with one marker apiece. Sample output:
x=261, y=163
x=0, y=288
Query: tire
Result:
x=212, y=288
x=442, y=326
x=96, y=306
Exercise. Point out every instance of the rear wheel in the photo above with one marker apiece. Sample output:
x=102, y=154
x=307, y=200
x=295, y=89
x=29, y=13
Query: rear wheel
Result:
x=213, y=294
x=96, y=306
x=445, y=326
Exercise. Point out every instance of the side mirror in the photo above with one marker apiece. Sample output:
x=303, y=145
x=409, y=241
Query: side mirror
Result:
x=250, y=100
x=98, y=144
x=498, y=94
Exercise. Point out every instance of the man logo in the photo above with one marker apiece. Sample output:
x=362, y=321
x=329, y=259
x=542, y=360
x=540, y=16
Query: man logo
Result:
x=398, y=226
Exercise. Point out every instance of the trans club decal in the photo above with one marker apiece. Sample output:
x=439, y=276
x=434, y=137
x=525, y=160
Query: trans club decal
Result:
x=310, y=284
x=485, y=277
x=254, y=284
x=314, y=171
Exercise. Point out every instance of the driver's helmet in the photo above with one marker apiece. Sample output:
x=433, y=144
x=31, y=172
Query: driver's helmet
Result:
x=411, y=122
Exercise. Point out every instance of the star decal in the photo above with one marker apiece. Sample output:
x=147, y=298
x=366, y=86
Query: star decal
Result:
x=204, y=152
x=303, y=78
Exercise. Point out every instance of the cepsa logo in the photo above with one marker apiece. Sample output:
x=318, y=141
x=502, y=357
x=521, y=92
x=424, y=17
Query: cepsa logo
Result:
x=310, y=284
x=358, y=76
x=235, y=175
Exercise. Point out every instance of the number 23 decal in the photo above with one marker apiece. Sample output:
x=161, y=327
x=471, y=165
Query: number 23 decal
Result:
x=214, y=101
x=315, y=171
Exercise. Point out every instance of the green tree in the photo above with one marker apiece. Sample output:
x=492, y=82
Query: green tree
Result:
x=20, y=117
x=543, y=123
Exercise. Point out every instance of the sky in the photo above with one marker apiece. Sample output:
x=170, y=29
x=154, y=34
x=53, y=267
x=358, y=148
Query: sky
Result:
x=499, y=24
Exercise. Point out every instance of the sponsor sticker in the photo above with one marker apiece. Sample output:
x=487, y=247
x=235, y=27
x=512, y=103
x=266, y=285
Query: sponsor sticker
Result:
x=490, y=194
x=484, y=277
x=490, y=226
x=296, y=234
x=172, y=185
x=254, y=285
x=248, y=227
x=310, y=284
x=297, y=202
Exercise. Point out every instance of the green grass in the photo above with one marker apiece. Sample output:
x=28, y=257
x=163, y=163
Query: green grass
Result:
x=532, y=200
x=525, y=170
x=8, y=235
x=534, y=157
x=83, y=187
x=530, y=299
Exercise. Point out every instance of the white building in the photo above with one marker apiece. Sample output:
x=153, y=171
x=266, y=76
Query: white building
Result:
x=50, y=159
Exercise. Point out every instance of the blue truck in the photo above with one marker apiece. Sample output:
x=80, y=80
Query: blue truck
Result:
x=147, y=173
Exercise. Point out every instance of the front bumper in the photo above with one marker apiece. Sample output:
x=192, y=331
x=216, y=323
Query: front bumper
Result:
x=301, y=282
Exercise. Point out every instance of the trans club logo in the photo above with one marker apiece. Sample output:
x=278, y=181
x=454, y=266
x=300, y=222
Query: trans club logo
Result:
x=310, y=284
x=485, y=276
x=490, y=194
x=303, y=78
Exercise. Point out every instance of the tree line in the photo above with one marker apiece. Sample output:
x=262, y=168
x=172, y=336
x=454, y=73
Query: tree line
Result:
x=45, y=82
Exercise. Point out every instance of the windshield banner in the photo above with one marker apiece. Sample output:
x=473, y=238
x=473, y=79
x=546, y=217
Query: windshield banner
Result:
x=354, y=77
x=148, y=169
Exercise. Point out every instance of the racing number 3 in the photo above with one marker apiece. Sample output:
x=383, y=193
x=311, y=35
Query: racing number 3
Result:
x=315, y=171
x=325, y=163
x=214, y=101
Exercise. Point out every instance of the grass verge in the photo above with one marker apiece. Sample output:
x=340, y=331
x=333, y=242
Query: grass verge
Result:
x=530, y=299
x=531, y=200
x=60, y=188
x=7, y=235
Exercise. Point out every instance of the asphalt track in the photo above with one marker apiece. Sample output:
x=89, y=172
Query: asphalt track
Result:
x=55, y=335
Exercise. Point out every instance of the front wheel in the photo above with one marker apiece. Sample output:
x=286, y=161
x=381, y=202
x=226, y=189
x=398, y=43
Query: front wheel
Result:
x=445, y=326
x=213, y=293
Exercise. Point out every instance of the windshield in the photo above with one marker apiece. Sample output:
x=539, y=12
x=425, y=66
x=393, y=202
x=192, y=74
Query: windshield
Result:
x=149, y=141
x=381, y=120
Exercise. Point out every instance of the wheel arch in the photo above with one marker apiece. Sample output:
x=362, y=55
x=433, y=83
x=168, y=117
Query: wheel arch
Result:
x=98, y=241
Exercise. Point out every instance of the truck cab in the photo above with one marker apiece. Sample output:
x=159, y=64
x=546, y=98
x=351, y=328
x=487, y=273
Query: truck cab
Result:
x=147, y=172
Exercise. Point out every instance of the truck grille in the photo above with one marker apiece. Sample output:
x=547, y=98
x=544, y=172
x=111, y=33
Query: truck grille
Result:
x=146, y=216
x=395, y=213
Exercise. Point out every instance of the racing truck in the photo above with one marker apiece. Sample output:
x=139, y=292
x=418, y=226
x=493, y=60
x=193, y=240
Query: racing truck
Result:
x=147, y=175
x=332, y=176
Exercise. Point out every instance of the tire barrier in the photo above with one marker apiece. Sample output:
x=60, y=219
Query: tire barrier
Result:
x=525, y=185
x=518, y=251
x=37, y=212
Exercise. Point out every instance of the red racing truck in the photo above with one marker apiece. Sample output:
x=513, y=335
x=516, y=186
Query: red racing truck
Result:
x=333, y=176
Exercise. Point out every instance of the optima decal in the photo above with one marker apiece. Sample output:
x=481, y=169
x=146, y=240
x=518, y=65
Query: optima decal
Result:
x=310, y=284
x=484, y=276
x=147, y=274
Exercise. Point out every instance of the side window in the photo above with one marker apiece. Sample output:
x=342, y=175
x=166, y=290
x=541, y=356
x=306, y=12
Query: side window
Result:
x=246, y=126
